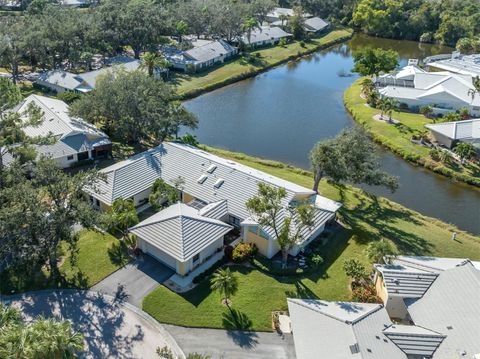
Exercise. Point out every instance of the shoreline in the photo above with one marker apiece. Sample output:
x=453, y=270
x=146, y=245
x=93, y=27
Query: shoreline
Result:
x=340, y=35
x=394, y=142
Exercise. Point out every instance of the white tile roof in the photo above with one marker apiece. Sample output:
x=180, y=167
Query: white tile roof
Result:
x=414, y=340
x=315, y=24
x=458, y=130
x=465, y=64
x=340, y=330
x=432, y=264
x=180, y=231
x=210, y=50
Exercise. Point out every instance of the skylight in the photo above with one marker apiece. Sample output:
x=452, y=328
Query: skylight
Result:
x=202, y=179
x=219, y=183
x=211, y=168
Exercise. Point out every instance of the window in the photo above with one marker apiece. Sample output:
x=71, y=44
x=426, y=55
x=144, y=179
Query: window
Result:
x=263, y=234
x=196, y=257
x=97, y=202
x=83, y=156
x=218, y=183
x=211, y=168
x=252, y=229
x=70, y=158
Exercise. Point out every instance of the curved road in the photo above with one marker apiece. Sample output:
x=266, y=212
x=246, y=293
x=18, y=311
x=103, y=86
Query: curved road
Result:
x=114, y=328
x=111, y=327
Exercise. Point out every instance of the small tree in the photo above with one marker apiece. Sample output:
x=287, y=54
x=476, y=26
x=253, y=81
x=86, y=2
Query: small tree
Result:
x=426, y=111
x=248, y=26
x=182, y=29
x=466, y=151
x=476, y=87
x=355, y=270
x=121, y=216
x=266, y=207
x=369, y=61
x=162, y=194
x=226, y=283
x=152, y=61
x=367, y=86
x=379, y=251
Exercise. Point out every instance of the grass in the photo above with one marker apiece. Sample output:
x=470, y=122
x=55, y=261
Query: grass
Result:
x=190, y=85
x=366, y=219
x=397, y=137
x=97, y=256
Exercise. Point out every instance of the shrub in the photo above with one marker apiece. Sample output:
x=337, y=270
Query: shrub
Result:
x=365, y=294
x=282, y=42
x=435, y=154
x=302, y=43
x=244, y=251
x=316, y=259
x=69, y=96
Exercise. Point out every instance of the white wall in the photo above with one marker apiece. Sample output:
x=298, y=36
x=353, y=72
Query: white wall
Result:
x=396, y=308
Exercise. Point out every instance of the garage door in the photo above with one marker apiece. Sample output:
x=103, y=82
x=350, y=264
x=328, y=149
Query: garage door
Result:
x=159, y=255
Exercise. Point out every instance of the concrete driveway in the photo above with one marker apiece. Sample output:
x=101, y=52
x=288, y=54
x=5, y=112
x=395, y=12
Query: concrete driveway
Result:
x=134, y=281
x=225, y=344
x=111, y=328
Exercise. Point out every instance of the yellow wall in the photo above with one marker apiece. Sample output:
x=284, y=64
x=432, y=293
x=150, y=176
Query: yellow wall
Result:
x=381, y=290
x=104, y=207
x=187, y=198
x=260, y=242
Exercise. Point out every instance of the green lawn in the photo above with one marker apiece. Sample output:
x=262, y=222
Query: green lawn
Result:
x=192, y=84
x=98, y=256
x=397, y=137
x=367, y=218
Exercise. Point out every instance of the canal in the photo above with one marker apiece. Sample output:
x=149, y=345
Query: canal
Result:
x=282, y=113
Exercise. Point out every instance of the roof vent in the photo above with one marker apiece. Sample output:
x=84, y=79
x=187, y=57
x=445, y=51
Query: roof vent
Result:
x=211, y=168
x=449, y=327
x=354, y=349
x=202, y=179
x=219, y=183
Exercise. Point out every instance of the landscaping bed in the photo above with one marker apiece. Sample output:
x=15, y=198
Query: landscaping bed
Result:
x=398, y=138
x=366, y=218
x=191, y=85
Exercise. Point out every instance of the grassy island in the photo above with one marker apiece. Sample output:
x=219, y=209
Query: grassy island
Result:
x=397, y=137
x=366, y=218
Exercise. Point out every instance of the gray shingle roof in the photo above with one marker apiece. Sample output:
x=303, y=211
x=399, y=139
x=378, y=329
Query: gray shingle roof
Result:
x=210, y=51
x=452, y=307
x=341, y=330
x=180, y=231
x=315, y=24
x=265, y=33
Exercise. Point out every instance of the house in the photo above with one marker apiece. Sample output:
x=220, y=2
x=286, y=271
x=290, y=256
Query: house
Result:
x=10, y=5
x=265, y=36
x=207, y=179
x=203, y=54
x=443, y=91
x=181, y=236
x=60, y=81
x=315, y=25
x=74, y=139
x=457, y=63
x=449, y=134
x=440, y=294
x=342, y=330
x=279, y=13
x=75, y=3
x=439, y=320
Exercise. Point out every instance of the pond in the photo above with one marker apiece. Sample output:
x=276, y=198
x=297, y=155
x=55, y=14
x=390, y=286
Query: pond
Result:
x=282, y=113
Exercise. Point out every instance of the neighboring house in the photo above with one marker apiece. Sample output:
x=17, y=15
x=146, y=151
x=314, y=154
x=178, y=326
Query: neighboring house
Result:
x=443, y=91
x=440, y=294
x=75, y=3
x=278, y=13
x=61, y=81
x=265, y=36
x=10, y=5
x=208, y=179
x=342, y=330
x=203, y=54
x=75, y=139
x=449, y=134
x=457, y=63
x=181, y=236
x=439, y=319
x=315, y=25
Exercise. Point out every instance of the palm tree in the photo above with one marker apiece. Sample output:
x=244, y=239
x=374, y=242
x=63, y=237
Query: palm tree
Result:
x=8, y=316
x=153, y=60
x=283, y=18
x=476, y=87
x=224, y=282
x=367, y=86
x=121, y=216
x=182, y=29
x=382, y=104
x=53, y=339
x=391, y=105
x=426, y=111
x=380, y=251
x=249, y=24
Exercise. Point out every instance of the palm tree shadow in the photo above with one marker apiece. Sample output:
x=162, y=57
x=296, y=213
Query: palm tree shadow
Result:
x=235, y=319
x=301, y=291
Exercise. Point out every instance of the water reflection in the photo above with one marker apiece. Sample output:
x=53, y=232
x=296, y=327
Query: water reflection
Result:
x=280, y=114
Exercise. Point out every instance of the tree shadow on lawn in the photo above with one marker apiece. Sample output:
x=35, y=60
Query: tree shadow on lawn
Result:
x=238, y=325
x=301, y=292
x=370, y=214
x=118, y=253
x=101, y=321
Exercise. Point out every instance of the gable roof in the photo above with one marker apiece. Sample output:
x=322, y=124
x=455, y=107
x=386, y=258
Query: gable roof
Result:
x=463, y=64
x=315, y=24
x=414, y=340
x=180, y=231
x=451, y=306
x=209, y=51
x=265, y=33
x=458, y=130
x=341, y=330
